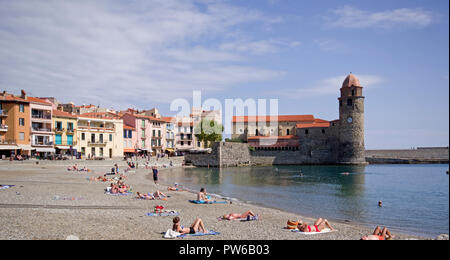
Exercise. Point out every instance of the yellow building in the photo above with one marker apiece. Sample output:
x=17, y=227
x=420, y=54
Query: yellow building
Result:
x=65, y=128
x=100, y=135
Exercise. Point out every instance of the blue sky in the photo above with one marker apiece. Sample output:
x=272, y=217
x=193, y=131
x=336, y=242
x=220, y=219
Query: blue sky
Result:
x=147, y=53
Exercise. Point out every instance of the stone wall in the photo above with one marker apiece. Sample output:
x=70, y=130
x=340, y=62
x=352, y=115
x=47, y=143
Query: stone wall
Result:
x=420, y=155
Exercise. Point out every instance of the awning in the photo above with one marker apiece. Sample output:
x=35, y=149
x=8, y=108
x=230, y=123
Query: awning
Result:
x=63, y=147
x=8, y=147
x=170, y=150
x=129, y=150
x=25, y=147
x=148, y=150
x=45, y=150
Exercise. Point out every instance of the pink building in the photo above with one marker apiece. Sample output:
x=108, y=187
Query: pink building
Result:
x=149, y=137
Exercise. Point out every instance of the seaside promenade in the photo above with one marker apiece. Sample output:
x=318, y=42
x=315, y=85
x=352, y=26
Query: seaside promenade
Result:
x=33, y=208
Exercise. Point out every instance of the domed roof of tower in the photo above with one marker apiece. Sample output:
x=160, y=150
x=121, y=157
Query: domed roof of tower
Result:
x=351, y=80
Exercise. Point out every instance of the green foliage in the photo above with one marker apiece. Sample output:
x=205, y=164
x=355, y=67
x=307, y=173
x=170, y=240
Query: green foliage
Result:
x=209, y=131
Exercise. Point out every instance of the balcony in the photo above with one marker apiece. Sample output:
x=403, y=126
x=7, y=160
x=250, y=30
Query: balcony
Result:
x=3, y=128
x=12, y=142
x=44, y=117
x=70, y=131
x=3, y=113
x=42, y=143
x=97, y=143
x=59, y=130
x=36, y=129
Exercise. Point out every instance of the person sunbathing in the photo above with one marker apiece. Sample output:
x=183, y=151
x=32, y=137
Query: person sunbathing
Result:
x=379, y=234
x=201, y=196
x=197, y=226
x=144, y=196
x=233, y=216
x=159, y=195
x=319, y=225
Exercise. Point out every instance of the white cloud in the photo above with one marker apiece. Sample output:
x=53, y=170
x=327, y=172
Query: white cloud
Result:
x=331, y=86
x=123, y=53
x=350, y=17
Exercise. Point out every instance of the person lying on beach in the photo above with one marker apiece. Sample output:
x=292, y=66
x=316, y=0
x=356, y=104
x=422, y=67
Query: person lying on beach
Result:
x=194, y=228
x=99, y=178
x=379, y=234
x=73, y=168
x=175, y=188
x=319, y=225
x=233, y=216
x=159, y=195
x=144, y=196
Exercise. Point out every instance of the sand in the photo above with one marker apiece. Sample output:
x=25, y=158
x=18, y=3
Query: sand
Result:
x=30, y=211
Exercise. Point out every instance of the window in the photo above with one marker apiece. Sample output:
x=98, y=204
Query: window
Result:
x=21, y=108
x=124, y=133
x=22, y=136
x=353, y=92
x=83, y=137
x=143, y=123
x=92, y=138
x=70, y=139
x=101, y=138
x=287, y=132
x=130, y=134
x=58, y=125
x=93, y=151
x=70, y=126
x=83, y=151
x=323, y=131
x=154, y=133
x=349, y=102
x=189, y=143
x=159, y=133
x=58, y=139
x=182, y=143
x=21, y=121
x=306, y=132
x=101, y=152
x=110, y=137
x=143, y=143
x=159, y=142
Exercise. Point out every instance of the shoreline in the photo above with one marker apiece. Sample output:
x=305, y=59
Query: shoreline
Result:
x=99, y=216
x=300, y=215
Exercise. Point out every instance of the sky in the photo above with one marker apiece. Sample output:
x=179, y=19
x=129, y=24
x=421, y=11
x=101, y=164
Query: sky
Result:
x=147, y=53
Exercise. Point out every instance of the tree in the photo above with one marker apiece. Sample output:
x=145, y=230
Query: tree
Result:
x=209, y=131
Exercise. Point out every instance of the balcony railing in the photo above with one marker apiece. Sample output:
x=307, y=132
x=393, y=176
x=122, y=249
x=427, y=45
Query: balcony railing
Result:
x=7, y=141
x=59, y=129
x=41, y=117
x=35, y=129
x=97, y=143
x=66, y=144
x=3, y=112
x=42, y=144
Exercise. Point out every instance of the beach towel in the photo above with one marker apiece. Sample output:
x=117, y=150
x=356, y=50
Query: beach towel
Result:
x=207, y=202
x=210, y=233
x=66, y=198
x=163, y=214
x=4, y=187
x=326, y=230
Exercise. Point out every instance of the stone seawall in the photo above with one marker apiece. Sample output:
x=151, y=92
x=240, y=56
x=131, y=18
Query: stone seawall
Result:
x=408, y=156
x=239, y=154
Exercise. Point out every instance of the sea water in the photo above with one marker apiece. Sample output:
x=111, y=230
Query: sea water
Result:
x=415, y=198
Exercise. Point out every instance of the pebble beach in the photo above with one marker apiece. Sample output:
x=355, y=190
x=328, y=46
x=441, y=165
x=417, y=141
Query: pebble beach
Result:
x=47, y=202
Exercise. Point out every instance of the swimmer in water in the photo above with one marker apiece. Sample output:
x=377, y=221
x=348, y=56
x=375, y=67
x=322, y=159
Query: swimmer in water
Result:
x=380, y=204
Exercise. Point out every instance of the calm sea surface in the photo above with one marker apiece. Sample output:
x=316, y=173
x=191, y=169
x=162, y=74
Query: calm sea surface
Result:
x=415, y=197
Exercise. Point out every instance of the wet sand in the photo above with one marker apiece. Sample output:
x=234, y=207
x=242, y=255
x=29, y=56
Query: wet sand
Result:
x=40, y=206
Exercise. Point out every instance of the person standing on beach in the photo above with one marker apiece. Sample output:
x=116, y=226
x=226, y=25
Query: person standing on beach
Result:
x=155, y=175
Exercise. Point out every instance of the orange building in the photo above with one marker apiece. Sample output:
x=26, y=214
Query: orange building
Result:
x=15, y=125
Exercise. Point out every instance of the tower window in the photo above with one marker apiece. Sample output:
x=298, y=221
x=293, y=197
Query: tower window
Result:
x=323, y=131
x=349, y=102
x=287, y=132
x=353, y=92
x=306, y=132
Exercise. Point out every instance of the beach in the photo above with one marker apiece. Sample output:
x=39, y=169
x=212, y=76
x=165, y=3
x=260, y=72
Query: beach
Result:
x=49, y=202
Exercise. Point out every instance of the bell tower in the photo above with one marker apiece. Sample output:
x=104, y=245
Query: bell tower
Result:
x=351, y=122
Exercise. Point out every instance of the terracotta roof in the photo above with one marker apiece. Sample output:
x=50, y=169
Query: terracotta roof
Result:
x=169, y=119
x=317, y=123
x=287, y=118
x=38, y=100
x=59, y=113
x=10, y=97
x=351, y=80
x=105, y=115
x=149, y=118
